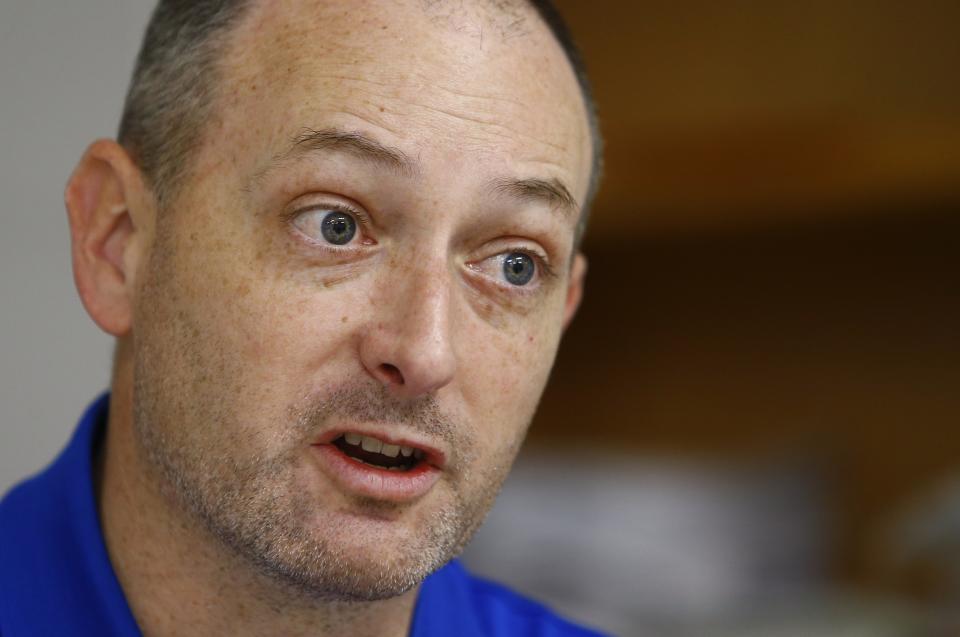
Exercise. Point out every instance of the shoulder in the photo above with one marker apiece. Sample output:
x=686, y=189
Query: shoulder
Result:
x=494, y=610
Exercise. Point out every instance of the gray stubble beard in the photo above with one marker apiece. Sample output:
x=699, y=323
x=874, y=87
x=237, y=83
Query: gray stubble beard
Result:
x=251, y=507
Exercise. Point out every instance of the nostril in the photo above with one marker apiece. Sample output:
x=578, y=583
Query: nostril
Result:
x=391, y=374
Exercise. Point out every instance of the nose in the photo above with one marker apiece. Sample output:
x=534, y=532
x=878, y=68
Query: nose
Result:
x=408, y=344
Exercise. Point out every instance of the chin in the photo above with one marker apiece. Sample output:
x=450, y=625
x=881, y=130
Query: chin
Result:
x=351, y=558
x=359, y=551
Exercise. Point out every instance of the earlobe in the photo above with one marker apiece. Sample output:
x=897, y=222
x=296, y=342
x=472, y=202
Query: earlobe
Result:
x=578, y=273
x=102, y=196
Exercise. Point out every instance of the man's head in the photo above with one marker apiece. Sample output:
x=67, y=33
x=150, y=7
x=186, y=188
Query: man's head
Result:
x=361, y=228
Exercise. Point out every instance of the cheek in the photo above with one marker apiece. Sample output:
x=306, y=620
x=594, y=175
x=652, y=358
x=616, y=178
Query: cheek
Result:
x=285, y=330
x=505, y=372
x=252, y=323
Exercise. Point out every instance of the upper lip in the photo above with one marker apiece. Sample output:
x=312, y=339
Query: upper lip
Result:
x=432, y=454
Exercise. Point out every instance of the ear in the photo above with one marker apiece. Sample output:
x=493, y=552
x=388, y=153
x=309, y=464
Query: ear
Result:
x=105, y=199
x=578, y=272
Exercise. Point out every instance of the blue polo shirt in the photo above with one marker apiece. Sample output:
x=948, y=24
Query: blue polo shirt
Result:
x=56, y=578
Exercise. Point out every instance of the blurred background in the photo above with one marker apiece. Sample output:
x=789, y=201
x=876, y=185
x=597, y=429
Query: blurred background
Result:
x=757, y=411
x=751, y=427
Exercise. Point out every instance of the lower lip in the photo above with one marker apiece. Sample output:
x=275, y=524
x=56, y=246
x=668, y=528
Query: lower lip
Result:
x=361, y=479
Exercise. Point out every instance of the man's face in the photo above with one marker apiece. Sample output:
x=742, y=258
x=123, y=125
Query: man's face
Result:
x=372, y=242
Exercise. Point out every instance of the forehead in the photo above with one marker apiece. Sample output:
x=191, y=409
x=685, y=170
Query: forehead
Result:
x=461, y=84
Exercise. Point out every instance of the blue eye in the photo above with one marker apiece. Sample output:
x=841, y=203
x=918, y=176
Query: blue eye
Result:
x=519, y=268
x=338, y=228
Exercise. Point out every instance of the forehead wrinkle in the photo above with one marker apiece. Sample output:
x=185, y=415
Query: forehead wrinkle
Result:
x=412, y=92
x=497, y=128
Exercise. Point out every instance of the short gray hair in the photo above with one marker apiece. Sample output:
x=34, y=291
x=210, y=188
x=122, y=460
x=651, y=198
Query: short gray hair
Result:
x=176, y=76
x=172, y=90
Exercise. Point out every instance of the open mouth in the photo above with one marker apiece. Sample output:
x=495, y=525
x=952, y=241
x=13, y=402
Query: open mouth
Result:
x=379, y=454
x=386, y=467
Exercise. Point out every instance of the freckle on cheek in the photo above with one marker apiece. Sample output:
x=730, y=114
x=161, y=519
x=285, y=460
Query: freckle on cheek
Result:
x=343, y=319
x=243, y=289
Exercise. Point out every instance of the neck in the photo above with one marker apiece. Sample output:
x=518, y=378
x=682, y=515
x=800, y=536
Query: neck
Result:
x=179, y=579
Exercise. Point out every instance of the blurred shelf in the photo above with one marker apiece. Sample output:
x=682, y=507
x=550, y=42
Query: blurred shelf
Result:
x=739, y=113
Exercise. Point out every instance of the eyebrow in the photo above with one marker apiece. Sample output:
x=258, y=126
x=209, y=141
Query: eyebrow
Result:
x=354, y=144
x=550, y=192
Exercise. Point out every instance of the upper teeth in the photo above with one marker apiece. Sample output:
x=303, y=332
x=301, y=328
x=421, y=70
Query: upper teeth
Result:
x=378, y=446
x=371, y=444
x=390, y=451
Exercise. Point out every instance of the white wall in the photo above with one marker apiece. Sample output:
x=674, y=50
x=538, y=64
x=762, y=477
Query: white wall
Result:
x=64, y=68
